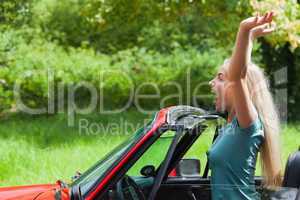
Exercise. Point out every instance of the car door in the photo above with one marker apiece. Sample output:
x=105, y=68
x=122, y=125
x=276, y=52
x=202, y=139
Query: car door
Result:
x=184, y=181
x=195, y=184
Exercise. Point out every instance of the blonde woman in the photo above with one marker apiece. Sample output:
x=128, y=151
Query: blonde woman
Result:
x=252, y=126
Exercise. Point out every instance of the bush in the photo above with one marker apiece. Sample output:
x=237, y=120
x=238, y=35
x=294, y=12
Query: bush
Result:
x=145, y=41
x=29, y=62
x=15, y=12
x=121, y=72
x=114, y=25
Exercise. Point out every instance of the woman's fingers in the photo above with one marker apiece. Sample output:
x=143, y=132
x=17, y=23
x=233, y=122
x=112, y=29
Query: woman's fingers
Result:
x=266, y=18
x=256, y=17
x=268, y=31
x=270, y=17
x=262, y=30
x=257, y=20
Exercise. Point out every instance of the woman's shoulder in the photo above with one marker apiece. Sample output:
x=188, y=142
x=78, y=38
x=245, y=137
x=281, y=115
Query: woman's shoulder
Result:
x=255, y=126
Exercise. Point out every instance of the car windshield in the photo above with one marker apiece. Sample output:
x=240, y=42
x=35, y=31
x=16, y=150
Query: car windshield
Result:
x=89, y=178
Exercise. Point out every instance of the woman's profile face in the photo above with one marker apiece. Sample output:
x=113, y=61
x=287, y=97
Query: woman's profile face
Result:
x=219, y=87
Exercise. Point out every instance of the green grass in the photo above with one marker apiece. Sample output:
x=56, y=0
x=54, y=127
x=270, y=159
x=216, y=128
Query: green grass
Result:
x=44, y=149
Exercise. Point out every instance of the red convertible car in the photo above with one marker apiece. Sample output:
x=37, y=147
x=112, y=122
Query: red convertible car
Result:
x=151, y=165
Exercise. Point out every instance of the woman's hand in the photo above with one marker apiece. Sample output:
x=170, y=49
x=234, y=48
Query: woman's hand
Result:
x=261, y=30
x=258, y=26
x=249, y=29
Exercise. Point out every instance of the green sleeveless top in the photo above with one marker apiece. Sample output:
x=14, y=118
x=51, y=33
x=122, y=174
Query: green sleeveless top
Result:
x=232, y=160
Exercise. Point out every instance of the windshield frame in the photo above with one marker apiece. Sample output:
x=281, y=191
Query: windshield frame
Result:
x=126, y=146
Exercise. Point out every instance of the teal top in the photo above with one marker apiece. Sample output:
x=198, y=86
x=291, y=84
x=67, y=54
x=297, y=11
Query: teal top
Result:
x=232, y=160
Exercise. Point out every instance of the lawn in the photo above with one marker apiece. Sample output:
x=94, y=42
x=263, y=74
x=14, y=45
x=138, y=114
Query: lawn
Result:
x=43, y=149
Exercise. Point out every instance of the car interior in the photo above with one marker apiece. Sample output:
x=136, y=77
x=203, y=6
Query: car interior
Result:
x=185, y=182
x=178, y=178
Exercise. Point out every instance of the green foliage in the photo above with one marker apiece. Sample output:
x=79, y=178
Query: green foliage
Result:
x=62, y=21
x=112, y=25
x=117, y=74
x=287, y=21
x=32, y=62
x=147, y=41
x=15, y=12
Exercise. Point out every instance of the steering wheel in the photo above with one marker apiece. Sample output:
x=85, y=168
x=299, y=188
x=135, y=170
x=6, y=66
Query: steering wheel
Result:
x=127, y=189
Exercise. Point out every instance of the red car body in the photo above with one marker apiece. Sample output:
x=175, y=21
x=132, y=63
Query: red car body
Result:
x=37, y=192
x=59, y=192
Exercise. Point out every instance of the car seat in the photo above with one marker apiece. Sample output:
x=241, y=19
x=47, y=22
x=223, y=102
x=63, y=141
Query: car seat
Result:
x=292, y=171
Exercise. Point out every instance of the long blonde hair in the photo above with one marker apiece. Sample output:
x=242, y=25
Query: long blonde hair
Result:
x=261, y=97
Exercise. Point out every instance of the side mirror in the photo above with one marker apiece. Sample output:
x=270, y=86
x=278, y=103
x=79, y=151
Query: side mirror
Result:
x=148, y=171
x=76, y=176
x=188, y=167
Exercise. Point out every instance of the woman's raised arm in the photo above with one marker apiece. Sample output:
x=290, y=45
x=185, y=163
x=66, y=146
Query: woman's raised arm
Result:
x=249, y=29
x=239, y=62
